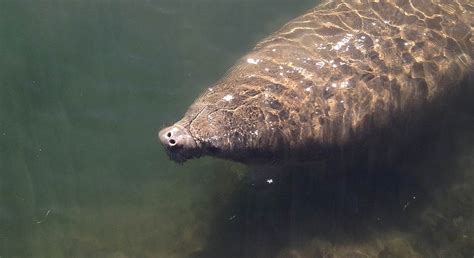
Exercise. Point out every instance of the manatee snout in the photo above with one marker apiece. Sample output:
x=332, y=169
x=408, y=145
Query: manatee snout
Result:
x=178, y=142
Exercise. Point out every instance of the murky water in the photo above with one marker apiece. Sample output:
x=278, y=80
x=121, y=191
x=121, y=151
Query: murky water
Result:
x=84, y=87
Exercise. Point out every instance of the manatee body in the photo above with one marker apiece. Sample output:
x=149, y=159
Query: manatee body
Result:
x=330, y=78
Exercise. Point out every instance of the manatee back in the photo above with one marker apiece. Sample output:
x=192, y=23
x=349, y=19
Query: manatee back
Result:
x=344, y=67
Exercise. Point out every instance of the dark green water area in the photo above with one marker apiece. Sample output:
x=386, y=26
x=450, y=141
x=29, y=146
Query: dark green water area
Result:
x=84, y=88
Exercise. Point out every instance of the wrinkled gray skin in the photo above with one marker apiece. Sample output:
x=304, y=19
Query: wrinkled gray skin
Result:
x=330, y=78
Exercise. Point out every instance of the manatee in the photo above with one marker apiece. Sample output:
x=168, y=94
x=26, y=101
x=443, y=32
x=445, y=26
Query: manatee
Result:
x=330, y=78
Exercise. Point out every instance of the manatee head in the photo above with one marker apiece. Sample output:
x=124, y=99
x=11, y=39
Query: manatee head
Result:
x=226, y=122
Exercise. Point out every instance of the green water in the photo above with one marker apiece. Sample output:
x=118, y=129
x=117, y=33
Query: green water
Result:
x=84, y=87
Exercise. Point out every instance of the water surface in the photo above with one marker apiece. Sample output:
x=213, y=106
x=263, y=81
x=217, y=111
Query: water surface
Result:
x=84, y=87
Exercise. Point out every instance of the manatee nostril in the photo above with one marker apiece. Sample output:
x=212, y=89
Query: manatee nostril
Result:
x=177, y=140
x=172, y=142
